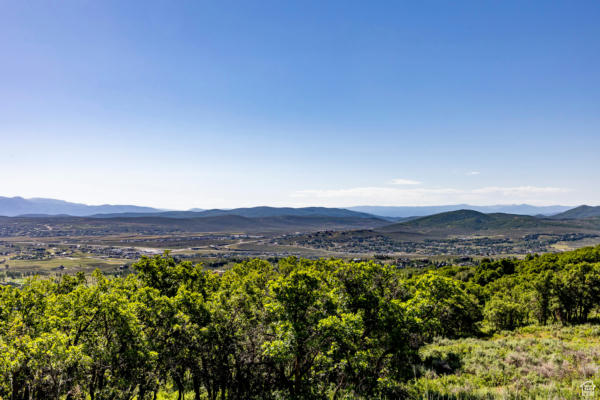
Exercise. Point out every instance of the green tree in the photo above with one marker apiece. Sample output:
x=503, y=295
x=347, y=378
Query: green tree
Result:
x=442, y=307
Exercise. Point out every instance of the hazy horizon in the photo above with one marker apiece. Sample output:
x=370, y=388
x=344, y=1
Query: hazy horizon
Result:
x=333, y=206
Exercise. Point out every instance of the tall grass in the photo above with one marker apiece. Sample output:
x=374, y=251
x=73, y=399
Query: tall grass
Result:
x=548, y=362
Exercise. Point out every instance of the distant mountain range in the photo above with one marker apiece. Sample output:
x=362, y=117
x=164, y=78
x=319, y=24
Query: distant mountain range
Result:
x=42, y=207
x=14, y=206
x=387, y=220
x=420, y=211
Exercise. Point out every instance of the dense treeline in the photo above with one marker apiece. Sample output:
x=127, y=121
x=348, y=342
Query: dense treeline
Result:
x=552, y=288
x=295, y=329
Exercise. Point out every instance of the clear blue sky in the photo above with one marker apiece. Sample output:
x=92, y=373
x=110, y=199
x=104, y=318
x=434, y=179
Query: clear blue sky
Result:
x=220, y=104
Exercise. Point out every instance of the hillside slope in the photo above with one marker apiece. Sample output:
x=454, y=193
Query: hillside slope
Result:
x=469, y=221
x=252, y=212
x=422, y=211
x=579, y=213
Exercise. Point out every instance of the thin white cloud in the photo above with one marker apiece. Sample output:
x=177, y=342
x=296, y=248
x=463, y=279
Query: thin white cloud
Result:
x=473, y=173
x=404, y=182
x=376, y=195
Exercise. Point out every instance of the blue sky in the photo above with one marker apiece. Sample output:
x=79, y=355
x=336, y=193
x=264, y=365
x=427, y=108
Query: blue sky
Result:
x=338, y=103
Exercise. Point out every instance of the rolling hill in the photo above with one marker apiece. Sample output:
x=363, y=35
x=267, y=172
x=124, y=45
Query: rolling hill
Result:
x=259, y=212
x=579, y=213
x=252, y=212
x=469, y=221
x=421, y=211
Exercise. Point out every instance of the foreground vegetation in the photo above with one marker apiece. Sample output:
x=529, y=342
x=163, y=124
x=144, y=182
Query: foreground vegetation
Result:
x=302, y=329
x=542, y=362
